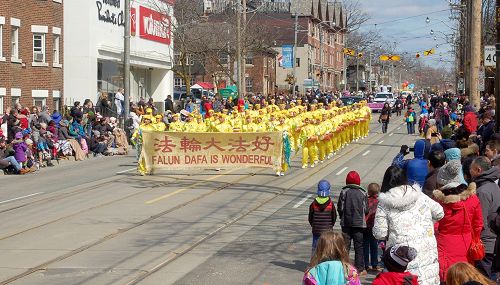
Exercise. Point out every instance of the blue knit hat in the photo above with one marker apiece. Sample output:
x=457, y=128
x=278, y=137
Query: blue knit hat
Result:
x=453, y=154
x=323, y=188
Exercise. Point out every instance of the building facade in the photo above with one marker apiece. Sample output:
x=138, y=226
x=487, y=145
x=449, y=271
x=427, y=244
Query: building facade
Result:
x=94, y=45
x=31, y=53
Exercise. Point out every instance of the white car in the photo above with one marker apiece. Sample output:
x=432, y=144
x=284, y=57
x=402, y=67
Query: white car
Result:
x=383, y=97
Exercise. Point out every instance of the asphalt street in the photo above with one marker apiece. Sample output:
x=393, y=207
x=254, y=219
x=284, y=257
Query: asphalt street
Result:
x=98, y=222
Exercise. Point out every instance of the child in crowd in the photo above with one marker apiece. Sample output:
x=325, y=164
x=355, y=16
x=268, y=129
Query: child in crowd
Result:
x=396, y=259
x=464, y=273
x=20, y=148
x=370, y=244
x=322, y=212
x=330, y=263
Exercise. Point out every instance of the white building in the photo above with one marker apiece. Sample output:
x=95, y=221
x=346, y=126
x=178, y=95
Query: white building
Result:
x=93, y=49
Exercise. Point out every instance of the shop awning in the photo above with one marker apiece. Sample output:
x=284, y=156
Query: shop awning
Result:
x=203, y=85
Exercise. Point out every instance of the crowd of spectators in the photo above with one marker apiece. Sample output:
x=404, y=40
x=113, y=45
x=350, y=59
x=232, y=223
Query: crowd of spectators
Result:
x=32, y=138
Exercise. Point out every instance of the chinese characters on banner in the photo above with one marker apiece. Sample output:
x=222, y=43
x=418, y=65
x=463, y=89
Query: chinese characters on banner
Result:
x=170, y=150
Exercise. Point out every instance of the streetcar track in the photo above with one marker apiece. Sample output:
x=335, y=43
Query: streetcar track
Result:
x=101, y=240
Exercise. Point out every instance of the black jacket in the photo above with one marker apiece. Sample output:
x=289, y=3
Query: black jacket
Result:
x=322, y=217
x=169, y=105
x=353, y=206
x=489, y=195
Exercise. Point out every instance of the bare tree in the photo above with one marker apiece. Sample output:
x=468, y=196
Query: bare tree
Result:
x=355, y=15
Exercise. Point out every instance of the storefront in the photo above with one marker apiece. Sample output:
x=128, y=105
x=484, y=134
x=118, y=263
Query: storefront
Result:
x=94, y=57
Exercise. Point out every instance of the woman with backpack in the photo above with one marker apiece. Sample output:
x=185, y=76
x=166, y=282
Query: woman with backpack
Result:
x=410, y=120
x=385, y=115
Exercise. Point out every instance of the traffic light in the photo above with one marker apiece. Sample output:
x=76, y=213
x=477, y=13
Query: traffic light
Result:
x=417, y=55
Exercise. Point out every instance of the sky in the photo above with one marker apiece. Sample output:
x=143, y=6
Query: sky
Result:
x=404, y=22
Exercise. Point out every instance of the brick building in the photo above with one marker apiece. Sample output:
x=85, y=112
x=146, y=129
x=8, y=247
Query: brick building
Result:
x=31, y=53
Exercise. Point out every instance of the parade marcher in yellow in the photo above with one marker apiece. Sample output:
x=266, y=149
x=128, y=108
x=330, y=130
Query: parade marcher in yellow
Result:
x=160, y=126
x=146, y=125
x=176, y=125
x=308, y=140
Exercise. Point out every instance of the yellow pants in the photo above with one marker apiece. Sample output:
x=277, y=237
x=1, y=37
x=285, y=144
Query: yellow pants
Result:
x=322, y=150
x=309, y=153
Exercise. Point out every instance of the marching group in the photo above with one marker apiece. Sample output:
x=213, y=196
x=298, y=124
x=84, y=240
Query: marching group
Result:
x=317, y=129
x=436, y=217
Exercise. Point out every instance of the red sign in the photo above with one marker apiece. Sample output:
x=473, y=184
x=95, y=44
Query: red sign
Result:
x=154, y=26
x=133, y=21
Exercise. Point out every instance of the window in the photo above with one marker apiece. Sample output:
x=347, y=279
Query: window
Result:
x=14, y=43
x=249, y=59
x=1, y=105
x=178, y=82
x=297, y=62
x=249, y=84
x=56, y=104
x=1, y=42
x=56, y=49
x=39, y=102
x=39, y=47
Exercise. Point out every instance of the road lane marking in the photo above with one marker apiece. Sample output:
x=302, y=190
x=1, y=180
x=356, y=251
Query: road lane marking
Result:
x=186, y=188
x=125, y=171
x=391, y=134
x=19, y=198
x=380, y=142
x=342, y=170
x=302, y=201
x=366, y=152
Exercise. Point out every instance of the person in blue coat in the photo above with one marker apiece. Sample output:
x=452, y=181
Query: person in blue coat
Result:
x=416, y=168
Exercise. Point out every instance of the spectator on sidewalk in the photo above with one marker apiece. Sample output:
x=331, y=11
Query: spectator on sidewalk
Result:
x=330, y=263
x=322, y=212
x=353, y=207
x=463, y=273
x=462, y=221
x=488, y=193
x=436, y=160
x=416, y=169
x=406, y=216
x=370, y=243
x=7, y=158
x=396, y=259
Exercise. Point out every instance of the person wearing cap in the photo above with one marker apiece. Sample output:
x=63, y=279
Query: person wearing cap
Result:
x=322, y=212
x=416, y=168
x=488, y=192
x=353, y=207
x=406, y=216
x=396, y=260
x=486, y=131
x=462, y=221
x=454, y=154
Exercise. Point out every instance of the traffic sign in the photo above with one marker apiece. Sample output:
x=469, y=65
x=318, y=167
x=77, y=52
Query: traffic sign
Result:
x=349, y=51
x=490, y=58
x=386, y=57
x=429, y=52
x=481, y=75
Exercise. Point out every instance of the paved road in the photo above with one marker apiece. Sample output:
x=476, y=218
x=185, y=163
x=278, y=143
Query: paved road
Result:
x=95, y=222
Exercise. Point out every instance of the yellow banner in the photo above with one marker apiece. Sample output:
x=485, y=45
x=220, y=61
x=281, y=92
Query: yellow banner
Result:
x=174, y=151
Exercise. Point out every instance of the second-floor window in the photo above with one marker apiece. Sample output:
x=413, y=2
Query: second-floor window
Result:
x=56, y=49
x=38, y=47
x=15, y=42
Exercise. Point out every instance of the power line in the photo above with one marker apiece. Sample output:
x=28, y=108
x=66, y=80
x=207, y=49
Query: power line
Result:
x=406, y=18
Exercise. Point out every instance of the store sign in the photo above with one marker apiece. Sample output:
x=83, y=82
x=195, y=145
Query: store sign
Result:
x=109, y=11
x=133, y=21
x=154, y=26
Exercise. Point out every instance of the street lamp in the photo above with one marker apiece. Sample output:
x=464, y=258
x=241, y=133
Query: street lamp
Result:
x=427, y=20
x=432, y=32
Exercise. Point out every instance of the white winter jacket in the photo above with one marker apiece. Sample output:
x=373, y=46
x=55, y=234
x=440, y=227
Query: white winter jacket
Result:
x=406, y=216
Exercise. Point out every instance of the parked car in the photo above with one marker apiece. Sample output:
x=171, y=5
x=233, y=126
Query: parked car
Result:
x=349, y=100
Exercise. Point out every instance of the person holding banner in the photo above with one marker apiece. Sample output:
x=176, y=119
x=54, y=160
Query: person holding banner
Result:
x=137, y=140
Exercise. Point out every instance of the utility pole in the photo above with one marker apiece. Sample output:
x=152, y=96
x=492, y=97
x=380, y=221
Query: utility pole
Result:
x=467, y=33
x=370, y=72
x=497, y=77
x=357, y=73
x=238, y=49
x=126, y=63
x=244, y=54
x=320, y=57
x=475, y=59
x=295, y=53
